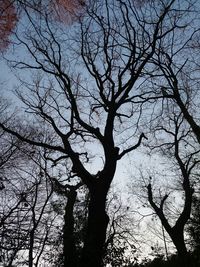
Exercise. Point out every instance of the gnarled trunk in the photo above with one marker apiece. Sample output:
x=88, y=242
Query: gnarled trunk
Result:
x=178, y=240
x=92, y=254
x=177, y=236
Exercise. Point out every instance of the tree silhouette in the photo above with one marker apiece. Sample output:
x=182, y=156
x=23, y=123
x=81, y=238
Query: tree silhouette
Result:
x=91, y=90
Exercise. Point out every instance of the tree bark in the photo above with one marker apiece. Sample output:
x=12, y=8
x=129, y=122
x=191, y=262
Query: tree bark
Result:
x=183, y=255
x=189, y=118
x=31, y=243
x=178, y=240
x=93, y=250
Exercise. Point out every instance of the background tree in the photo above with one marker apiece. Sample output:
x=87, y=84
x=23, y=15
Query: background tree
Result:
x=173, y=139
x=121, y=246
x=179, y=70
x=26, y=214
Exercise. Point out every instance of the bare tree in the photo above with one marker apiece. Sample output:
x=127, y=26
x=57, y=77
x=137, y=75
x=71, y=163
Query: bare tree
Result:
x=181, y=147
x=26, y=214
x=93, y=94
x=121, y=246
x=178, y=64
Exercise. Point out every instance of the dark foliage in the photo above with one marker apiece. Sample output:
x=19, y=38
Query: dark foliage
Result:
x=192, y=260
x=194, y=226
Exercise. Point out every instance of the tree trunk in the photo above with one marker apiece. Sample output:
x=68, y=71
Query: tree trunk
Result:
x=69, y=248
x=31, y=243
x=178, y=240
x=93, y=250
